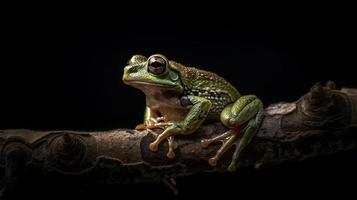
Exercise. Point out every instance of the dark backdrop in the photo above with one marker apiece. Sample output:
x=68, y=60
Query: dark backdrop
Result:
x=67, y=75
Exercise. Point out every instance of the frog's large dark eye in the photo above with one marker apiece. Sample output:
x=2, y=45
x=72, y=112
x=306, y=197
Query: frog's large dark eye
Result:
x=156, y=65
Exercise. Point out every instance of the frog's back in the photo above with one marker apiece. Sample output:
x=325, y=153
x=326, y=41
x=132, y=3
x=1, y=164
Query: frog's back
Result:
x=206, y=84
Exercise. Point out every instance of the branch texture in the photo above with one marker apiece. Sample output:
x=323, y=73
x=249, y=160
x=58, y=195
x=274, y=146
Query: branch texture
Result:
x=323, y=121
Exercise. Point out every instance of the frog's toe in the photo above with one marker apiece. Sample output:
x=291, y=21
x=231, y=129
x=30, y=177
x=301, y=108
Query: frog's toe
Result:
x=220, y=138
x=213, y=161
x=232, y=167
x=207, y=142
x=227, y=143
x=170, y=154
x=153, y=146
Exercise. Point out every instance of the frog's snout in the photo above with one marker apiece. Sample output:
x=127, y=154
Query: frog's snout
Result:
x=129, y=70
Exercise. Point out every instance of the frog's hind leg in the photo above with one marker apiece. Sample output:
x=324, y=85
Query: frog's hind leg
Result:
x=243, y=116
x=249, y=132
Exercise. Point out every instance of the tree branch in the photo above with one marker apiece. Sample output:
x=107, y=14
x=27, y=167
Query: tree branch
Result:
x=323, y=121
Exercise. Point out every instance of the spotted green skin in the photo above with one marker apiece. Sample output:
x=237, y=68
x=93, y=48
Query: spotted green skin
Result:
x=211, y=98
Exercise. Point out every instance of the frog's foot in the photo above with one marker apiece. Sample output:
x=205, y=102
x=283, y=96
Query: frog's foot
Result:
x=220, y=138
x=228, y=139
x=168, y=135
x=171, y=153
x=162, y=123
x=153, y=123
x=170, y=139
x=143, y=127
x=159, y=122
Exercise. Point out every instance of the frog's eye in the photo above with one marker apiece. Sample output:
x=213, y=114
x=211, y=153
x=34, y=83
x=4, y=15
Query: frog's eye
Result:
x=156, y=65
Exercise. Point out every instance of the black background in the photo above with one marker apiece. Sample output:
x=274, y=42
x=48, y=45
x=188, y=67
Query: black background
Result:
x=62, y=73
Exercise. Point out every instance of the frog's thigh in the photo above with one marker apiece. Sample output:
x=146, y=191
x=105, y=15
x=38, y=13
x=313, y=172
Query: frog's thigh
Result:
x=246, y=110
x=241, y=111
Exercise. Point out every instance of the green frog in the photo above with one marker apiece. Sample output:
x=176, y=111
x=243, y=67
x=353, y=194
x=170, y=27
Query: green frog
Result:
x=179, y=99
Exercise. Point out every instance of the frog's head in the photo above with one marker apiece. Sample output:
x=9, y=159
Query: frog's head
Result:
x=151, y=73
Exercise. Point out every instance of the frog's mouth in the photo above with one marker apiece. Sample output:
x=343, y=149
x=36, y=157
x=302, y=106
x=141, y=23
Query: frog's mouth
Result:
x=147, y=83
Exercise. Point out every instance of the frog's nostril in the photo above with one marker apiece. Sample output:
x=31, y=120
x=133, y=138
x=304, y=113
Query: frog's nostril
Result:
x=130, y=69
x=133, y=69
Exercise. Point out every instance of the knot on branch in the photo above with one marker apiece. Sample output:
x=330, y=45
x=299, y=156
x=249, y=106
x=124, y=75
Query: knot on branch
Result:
x=324, y=106
x=319, y=100
x=68, y=151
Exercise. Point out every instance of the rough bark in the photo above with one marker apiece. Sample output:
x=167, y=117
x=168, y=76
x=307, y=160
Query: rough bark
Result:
x=323, y=121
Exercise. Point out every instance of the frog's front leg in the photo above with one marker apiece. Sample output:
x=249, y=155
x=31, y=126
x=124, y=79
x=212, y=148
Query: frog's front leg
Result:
x=193, y=120
x=153, y=122
x=243, y=116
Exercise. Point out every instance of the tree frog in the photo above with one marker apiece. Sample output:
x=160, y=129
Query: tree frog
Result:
x=179, y=99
